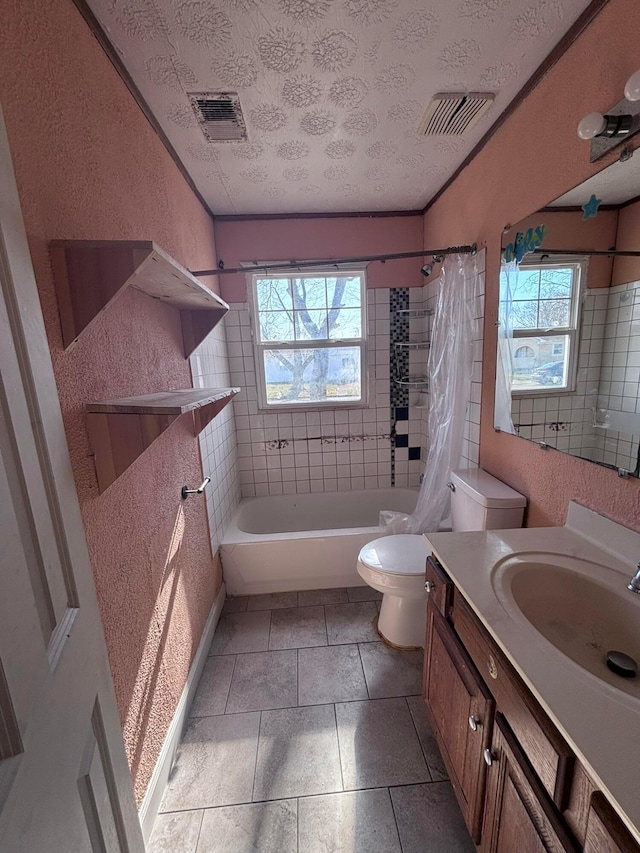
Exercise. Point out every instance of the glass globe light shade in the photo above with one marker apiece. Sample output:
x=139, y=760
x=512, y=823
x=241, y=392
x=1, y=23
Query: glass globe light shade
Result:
x=632, y=87
x=591, y=125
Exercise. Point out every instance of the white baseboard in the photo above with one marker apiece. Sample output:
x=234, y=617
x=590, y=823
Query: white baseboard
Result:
x=155, y=791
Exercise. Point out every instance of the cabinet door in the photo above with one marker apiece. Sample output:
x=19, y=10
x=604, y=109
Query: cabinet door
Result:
x=605, y=831
x=519, y=814
x=439, y=586
x=461, y=711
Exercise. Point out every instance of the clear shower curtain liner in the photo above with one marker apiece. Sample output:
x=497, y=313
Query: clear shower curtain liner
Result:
x=449, y=368
x=502, y=419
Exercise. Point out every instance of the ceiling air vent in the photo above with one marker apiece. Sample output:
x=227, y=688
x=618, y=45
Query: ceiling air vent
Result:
x=452, y=114
x=219, y=116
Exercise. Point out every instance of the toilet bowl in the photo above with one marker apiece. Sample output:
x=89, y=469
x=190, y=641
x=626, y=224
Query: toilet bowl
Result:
x=395, y=566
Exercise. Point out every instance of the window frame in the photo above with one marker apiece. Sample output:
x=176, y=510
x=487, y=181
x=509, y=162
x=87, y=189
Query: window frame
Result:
x=572, y=331
x=259, y=347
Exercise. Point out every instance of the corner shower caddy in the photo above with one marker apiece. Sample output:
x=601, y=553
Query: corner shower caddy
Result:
x=412, y=382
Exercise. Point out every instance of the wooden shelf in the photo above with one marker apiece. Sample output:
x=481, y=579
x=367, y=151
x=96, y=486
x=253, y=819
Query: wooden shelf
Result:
x=120, y=430
x=90, y=275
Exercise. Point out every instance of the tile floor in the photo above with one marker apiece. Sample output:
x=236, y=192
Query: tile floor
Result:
x=308, y=735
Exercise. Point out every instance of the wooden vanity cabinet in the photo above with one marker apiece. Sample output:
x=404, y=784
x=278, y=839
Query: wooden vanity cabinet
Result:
x=517, y=781
x=439, y=586
x=605, y=831
x=461, y=712
x=547, y=751
x=519, y=815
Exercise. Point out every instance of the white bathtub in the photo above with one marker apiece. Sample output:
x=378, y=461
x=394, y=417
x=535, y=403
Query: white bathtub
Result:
x=310, y=541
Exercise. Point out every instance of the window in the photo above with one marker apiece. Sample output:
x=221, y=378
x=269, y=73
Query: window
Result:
x=310, y=339
x=544, y=312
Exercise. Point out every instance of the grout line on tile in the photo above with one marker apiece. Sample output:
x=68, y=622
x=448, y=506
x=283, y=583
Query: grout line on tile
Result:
x=255, y=763
x=335, y=718
x=424, y=754
x=199, y=832
x=238, y=713
x=395, y=818
x=303, y=797
x=269, y=637
x=226, y=701
x=414, y=784
x=364, y=674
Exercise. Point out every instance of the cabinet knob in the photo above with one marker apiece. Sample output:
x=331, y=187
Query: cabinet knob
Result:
x=474, y=722
x=429, y=586
x=489, y=757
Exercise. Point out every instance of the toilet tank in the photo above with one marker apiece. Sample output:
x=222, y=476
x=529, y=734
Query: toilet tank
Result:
x=481, y=502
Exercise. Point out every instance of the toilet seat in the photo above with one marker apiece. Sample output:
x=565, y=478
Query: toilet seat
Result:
x=399, y=554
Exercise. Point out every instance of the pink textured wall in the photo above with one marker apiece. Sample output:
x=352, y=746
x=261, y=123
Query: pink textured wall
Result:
x=628, y=269
x=533, y=158
x=89, y=166
x=301, y=239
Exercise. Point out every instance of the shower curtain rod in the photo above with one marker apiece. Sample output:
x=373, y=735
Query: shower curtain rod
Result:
x=619, y=252
x=327, y=262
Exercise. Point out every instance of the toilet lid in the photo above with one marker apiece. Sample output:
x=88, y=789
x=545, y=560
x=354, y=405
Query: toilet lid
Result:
x=401, y=554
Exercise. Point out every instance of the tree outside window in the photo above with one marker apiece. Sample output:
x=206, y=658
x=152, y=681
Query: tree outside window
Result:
x=310, y=339
x=544, y=317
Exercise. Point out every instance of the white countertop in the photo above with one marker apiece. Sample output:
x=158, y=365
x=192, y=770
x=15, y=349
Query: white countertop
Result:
x=600, y=723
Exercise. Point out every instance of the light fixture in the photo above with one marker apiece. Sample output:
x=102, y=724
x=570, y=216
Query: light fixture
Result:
x=619, y=123
x=595, y=124
x=632, y=87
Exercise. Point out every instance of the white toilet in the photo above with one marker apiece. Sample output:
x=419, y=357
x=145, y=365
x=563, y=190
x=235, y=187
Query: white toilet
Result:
x=395, y=565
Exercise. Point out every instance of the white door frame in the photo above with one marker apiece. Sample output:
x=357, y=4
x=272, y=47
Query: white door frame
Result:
x=65, y=784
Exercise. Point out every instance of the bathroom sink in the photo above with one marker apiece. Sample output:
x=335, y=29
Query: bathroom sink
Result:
x=583, y=609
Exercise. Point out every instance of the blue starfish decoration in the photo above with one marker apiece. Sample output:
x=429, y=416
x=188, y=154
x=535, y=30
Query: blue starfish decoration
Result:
x=591, y=207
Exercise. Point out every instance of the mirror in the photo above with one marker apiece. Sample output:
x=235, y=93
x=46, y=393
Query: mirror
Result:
x=569, y=331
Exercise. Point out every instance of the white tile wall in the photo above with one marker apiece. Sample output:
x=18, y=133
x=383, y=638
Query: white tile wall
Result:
x=471, y=442
x=619, y=387
x=320, y=450
x=317, y=450
x=210, y=369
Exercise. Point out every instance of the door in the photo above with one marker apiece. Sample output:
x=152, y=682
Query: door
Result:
x=520, y=815
x=461, y=712
x=65, y=785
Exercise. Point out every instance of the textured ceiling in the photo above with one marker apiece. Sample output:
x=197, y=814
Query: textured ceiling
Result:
x=332, y=90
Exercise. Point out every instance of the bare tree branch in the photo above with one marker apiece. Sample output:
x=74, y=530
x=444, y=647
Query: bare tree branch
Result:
x=319, y=358
x=336, y=304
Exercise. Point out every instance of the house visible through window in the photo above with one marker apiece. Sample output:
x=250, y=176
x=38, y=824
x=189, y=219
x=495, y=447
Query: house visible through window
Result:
x=544, y=315
x=524, y=352
x=310, y=339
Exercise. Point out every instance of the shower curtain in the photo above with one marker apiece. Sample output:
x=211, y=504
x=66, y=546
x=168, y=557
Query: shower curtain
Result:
x=504, y=367
x=449, y=369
